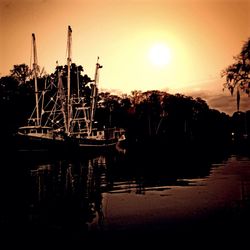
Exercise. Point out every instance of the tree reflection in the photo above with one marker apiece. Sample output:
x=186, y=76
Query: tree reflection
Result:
x=67, y=196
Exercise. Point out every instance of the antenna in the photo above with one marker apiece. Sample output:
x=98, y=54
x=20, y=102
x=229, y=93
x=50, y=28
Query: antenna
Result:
x=94, y=93
x=35, y=69
x=69, y=42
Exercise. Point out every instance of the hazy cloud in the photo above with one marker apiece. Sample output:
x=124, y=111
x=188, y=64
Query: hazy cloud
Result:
x=223, y=102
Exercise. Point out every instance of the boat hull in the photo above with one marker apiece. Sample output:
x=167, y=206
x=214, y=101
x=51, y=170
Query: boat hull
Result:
x=32, y=143
x=26, y=143
x=97, y=146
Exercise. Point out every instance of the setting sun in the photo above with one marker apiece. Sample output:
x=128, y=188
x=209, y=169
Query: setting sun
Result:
x=160, y=55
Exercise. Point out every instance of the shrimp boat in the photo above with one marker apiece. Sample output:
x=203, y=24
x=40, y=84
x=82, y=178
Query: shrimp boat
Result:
x=82, y=124
x=82, y=127
x=44, y=129
x=64, y=120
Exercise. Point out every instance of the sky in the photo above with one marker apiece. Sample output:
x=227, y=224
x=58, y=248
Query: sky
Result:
x=200, y=38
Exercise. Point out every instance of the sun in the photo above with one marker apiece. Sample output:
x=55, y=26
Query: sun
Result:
x=160, y=55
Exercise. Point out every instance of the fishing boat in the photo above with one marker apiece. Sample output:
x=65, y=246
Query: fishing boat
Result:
x=82, y=125
x=44, y=128
x=87, y=134
x=62, y=119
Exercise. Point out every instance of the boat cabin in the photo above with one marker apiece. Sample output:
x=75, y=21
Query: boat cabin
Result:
x=35, y=130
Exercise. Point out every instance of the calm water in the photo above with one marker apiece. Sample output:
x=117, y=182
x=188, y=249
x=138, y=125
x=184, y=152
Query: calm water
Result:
x=110, y=198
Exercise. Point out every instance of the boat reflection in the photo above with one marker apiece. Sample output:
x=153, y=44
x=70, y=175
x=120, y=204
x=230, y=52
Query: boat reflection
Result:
x=67, y=195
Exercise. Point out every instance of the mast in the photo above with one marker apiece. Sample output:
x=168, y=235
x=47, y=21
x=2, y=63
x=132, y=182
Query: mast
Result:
x=94, y=94
x=35, y=68
x=69, y=42
x=62, y=98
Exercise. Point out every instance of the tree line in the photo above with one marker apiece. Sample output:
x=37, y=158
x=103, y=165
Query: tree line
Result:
x=152, y=114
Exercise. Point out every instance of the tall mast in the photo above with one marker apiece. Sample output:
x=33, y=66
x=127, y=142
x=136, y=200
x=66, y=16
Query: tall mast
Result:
x=69, y=42
x=35, y=68
x=94, y=94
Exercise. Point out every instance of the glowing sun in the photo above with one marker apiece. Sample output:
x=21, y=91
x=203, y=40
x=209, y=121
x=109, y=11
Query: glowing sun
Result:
x=160, y=55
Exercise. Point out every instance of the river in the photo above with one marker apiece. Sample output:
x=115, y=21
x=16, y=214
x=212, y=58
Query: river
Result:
x=112, y=198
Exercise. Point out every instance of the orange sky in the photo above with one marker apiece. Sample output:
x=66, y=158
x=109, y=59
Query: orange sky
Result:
x=202, y=35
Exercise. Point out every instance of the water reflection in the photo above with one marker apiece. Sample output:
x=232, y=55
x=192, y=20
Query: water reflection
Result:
x=71, y=198
x=67, y=195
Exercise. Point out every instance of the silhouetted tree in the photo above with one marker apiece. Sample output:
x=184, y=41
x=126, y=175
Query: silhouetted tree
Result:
x=148, y=112
x=180, y=111
x=240, y=126
x=21, y=73
x=238, y=74
x=109, y=112
x=80, y=84
x=15, y=105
